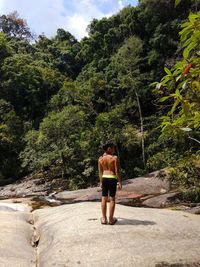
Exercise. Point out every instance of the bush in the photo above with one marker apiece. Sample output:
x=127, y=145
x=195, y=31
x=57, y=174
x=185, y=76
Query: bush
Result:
x=186, y=175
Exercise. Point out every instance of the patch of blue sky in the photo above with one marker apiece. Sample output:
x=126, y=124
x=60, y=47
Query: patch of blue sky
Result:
x=106, y=6
x=69, y=6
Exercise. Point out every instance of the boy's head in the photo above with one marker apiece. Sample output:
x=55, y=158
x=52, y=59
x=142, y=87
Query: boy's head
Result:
x=109, y=147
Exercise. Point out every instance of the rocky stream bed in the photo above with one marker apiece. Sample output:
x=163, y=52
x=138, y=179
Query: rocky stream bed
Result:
x=146, y=191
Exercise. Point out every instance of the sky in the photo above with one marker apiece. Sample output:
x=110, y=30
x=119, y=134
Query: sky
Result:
x=46, y=16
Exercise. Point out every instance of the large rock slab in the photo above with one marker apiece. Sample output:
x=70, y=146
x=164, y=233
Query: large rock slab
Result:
x=32, y=186
x=78, y=194
x=162, y=201
x=147, y=185
x=24, y=188
x=15, y=235
x=71, y=235
x=94, y=194
x=133, y=189
x=10, y=206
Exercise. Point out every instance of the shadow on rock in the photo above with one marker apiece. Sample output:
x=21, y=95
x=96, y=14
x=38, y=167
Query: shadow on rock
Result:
x=124, y=221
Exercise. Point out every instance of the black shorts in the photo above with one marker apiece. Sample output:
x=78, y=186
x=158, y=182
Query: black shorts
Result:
x=109, y=185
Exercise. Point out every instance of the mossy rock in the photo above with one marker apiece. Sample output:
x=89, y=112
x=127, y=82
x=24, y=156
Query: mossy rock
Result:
x=197, y=211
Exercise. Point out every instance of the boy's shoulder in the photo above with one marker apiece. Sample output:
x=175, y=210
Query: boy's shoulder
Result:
x=113, y=156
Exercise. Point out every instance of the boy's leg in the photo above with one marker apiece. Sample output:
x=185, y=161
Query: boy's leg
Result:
x=113, y=188
x=104, y=208
x=104, y=200
x=112, y=209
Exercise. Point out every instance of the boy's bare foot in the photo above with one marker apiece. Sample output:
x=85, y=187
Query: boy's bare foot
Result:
x=113, y=221
x=103, y=220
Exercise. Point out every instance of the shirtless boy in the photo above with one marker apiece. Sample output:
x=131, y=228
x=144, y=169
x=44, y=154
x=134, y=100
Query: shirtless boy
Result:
x=109, y=174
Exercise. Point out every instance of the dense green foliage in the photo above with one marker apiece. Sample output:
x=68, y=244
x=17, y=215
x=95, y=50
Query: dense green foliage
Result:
x=181, y=87
x=60, y=99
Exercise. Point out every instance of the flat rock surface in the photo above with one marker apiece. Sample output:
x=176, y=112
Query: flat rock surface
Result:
x=15, y=235
x=71, y=235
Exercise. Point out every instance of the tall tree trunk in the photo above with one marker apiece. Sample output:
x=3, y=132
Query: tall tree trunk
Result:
x=63, y=165
x=141, y=128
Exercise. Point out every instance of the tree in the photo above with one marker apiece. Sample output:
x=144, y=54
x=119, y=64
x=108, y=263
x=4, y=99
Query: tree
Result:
x=5, y=49
x=10, y=142
x=13, y=25
x=181, y=84
x=56, y=146
x=182, y=87
x=63, y=35
x=127, y=61
x=22, y=85
x=59, y=53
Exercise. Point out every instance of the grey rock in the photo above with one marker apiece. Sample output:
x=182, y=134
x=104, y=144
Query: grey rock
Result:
x=147, y=185
x=162, y=201
x=29, y=186
x=71, y=235
x=77, y=193
x=24, y=188
x=132, y=189
x=15, y=236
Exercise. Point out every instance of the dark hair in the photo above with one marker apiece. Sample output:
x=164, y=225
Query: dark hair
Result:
x=108, y=144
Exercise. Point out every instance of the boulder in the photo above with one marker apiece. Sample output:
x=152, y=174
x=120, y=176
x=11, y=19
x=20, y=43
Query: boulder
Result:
x=16, y=237
x=147, y=185
x=162, y=201
x=78, y=194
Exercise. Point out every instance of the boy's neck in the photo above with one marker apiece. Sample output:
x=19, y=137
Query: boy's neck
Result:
x=107, y=153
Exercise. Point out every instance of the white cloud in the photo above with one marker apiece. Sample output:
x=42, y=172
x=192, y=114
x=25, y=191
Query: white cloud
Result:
x=120, y=4
x=49, y=15
x=78, y=26
x=87, y=9
x=41, y=16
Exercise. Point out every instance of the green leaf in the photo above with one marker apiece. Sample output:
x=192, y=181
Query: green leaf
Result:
x=165, y=79
x=152, y=84
x=167, y=71
x=163, y=98
x=193, y=45
x=186, y=53
x=186, y=108
x=177, y=2
x=175, y=105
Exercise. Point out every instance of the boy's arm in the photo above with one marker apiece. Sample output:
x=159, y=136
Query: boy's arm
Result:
x=117, y=171
x=100, y=172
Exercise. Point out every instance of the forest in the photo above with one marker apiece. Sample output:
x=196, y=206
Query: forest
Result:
x=135, y=80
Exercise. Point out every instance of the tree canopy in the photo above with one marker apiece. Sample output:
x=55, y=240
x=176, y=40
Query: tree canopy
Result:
x=61, y=98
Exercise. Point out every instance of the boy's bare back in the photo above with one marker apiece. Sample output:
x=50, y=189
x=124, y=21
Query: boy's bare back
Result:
x=109, y=164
